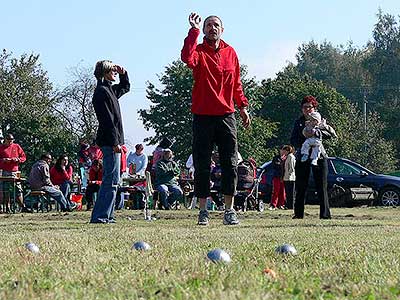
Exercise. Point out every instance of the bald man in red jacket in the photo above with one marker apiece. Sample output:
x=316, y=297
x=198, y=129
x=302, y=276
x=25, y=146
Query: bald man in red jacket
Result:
x=217, y=88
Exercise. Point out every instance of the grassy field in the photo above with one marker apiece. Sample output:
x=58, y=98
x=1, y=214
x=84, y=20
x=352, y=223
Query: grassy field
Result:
x=353, y=256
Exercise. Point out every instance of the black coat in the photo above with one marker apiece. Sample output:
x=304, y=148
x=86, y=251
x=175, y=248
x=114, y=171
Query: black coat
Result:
x=108, y=112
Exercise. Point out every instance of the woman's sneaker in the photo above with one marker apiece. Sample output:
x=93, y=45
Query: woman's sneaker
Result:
x=230, y=217
x=203, y=218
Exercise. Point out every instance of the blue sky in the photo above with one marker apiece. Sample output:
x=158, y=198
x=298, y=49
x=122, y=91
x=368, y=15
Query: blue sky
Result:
x=145, y=36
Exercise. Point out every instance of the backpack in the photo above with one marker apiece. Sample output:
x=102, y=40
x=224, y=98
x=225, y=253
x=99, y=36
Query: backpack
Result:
x=246, y=172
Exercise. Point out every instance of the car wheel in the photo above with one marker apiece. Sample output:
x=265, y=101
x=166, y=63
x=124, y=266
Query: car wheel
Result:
x=389, y=196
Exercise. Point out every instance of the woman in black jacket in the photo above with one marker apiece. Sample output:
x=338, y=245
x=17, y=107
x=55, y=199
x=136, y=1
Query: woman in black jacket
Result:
x=110, y=135
x=302, y=170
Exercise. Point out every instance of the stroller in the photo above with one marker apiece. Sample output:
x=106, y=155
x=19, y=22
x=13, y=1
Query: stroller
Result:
x=247, y=197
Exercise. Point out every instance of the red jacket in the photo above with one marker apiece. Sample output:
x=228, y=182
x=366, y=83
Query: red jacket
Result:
x=94, y=152
x=11, y=151
x=124, y=150
x=95, y=175
x=58, y=178
x=216, y=76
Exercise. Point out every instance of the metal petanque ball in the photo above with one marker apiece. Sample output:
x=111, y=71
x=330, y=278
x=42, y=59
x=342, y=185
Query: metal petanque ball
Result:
x=141, y=246
x=218, y=255
x=286, y=249
x=32, y=247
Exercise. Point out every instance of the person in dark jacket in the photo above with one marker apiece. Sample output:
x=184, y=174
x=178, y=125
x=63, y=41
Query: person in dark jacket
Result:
x=278, y=197
x=110, y=135
x=302, y=169
x=39, y=179
x=217, y=87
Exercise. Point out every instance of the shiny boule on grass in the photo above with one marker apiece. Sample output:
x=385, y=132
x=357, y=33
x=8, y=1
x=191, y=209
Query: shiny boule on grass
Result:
x=286, y=249
x=141, y=246
x=218, y=255
x=32, y=248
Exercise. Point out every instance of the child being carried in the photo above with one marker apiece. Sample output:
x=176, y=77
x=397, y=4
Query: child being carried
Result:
x=312, y=132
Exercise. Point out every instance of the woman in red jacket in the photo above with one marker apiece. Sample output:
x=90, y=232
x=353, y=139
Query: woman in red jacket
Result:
x=61, y=175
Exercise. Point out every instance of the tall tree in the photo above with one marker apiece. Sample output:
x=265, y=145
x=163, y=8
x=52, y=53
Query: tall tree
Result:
x=383, y=65
x=75, y=103
x=27, y=108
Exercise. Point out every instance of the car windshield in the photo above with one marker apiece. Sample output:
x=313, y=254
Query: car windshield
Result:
x=345, y=168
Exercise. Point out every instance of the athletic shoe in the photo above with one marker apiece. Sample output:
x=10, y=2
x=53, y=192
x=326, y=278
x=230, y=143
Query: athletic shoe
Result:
x=203, y=218
x=271, y=207
x=230, y=217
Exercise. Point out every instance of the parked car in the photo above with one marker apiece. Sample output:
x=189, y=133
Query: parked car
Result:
x=348, y=184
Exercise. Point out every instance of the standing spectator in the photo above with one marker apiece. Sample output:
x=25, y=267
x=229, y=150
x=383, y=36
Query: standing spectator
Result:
x=289, y=177
x=39, y=179
x=137, y=161
x=167, y=172
x=94, y=152
x=84, y=161
x=320, y=171
x=110, y=135
x=278, y=189
x=217, y=87
x=95, y=177
x=61, y=175
x=11, y=155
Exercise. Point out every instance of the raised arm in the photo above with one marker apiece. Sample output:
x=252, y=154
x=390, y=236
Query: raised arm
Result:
x=189, y=54
x=123, y=86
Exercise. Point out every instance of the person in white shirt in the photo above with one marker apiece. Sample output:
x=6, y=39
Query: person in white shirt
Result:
x=137, y=161
x=289, y=176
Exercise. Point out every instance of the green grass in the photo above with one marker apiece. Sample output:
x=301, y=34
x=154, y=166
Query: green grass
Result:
x=353, y=256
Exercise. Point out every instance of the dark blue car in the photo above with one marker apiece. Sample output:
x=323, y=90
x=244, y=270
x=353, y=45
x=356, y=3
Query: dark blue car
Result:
x=348, y=184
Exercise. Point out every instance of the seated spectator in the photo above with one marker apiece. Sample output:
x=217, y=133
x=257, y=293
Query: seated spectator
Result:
x=61, y=175
x=39, y=179
x=137, y=161
x=94, y=182
x=166, y=183
x=158, y=152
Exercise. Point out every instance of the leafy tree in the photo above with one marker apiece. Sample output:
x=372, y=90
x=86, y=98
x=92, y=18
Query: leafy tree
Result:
x=339, y=67
x=367, y=147
x=27, y=108
x=383, y=65
x=169, y=114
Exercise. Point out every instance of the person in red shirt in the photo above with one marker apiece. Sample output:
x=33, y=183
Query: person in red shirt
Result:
x=94, y=152
x=11, y=155
x=216, y=90
x=61, y=175
x=95, y=177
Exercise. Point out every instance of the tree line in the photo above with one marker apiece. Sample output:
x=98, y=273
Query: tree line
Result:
x=345, y=80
